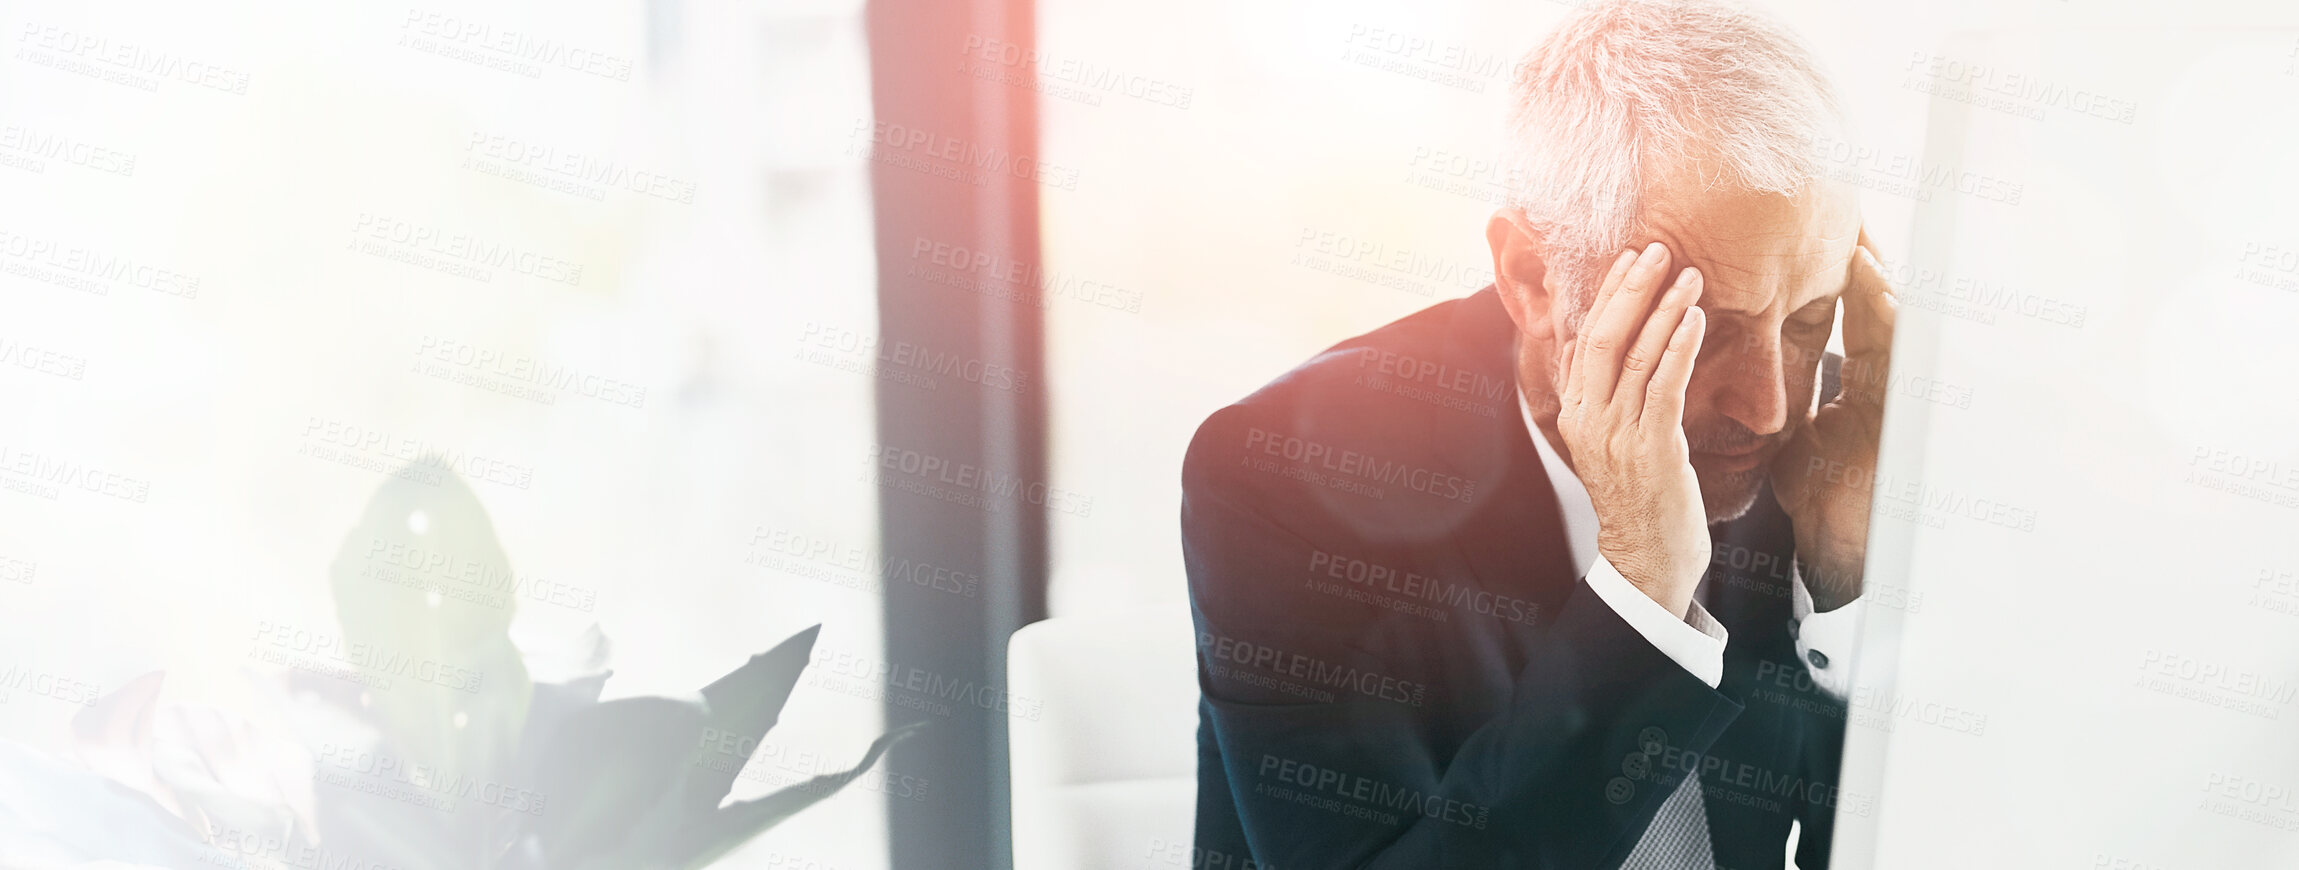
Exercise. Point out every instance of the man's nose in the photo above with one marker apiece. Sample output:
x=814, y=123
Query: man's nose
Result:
x=1750, y=386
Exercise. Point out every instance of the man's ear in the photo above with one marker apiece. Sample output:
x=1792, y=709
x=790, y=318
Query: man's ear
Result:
x=1520, y=270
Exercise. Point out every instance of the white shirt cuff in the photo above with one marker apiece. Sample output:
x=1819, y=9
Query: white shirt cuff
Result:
x=1695, y=642
x=1824, y=640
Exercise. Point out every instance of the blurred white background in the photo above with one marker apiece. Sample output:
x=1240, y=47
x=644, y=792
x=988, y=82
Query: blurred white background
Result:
x=2102, y=539
x=691, y=209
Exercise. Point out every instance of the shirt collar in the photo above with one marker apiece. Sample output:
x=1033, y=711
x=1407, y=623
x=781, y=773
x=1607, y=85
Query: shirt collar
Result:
x=1580, y=514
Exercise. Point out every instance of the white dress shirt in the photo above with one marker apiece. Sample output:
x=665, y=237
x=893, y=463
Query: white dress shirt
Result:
x=1697, y=641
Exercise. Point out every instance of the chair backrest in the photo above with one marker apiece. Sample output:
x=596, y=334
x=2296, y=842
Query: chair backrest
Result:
x=1102, y=732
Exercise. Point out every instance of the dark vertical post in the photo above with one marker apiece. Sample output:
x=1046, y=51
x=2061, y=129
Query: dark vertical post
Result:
x=961, y=465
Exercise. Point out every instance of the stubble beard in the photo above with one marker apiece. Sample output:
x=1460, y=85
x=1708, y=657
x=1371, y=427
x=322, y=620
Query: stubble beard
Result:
x=1727, y=496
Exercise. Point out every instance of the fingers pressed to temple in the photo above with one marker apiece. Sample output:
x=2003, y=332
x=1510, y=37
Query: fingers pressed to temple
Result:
x=1576, y=360
x=1613, y=329
x=1612, y=278
x=1653, y=340
x=1664, y=402
x=1870, y=309
x=1605, y=288
x=1569, y=396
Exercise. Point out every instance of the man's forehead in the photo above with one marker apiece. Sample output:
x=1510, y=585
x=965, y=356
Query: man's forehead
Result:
x=1753, y=247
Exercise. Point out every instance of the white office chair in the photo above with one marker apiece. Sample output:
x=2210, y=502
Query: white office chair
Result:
x=1105, y=774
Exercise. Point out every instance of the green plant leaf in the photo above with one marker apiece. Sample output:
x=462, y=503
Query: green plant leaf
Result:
x=710, y=837
x=423, y=594
x=744, y=705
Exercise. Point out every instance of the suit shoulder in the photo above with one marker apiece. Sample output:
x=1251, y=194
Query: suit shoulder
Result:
x=1357, y=435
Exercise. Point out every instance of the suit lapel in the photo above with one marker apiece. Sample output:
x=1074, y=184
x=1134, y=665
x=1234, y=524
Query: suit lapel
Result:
x=1515, y=538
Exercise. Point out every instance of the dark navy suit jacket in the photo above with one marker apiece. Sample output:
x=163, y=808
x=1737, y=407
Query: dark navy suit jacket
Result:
x=1400, y=668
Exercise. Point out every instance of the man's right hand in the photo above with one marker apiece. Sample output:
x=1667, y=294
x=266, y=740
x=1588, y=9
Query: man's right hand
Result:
x=1622, y=418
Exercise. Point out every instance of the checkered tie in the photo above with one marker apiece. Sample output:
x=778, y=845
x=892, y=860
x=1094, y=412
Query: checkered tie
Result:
x=1677, y=839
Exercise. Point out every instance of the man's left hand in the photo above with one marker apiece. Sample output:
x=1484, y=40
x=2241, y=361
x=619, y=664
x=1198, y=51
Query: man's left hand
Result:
x=1825, y=475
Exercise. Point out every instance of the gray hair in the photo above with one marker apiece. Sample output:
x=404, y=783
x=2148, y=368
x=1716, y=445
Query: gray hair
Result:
x=1624, y=90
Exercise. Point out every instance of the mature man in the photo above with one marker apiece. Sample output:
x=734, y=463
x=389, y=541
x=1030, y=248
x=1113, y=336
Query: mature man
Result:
x=1551, y=576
